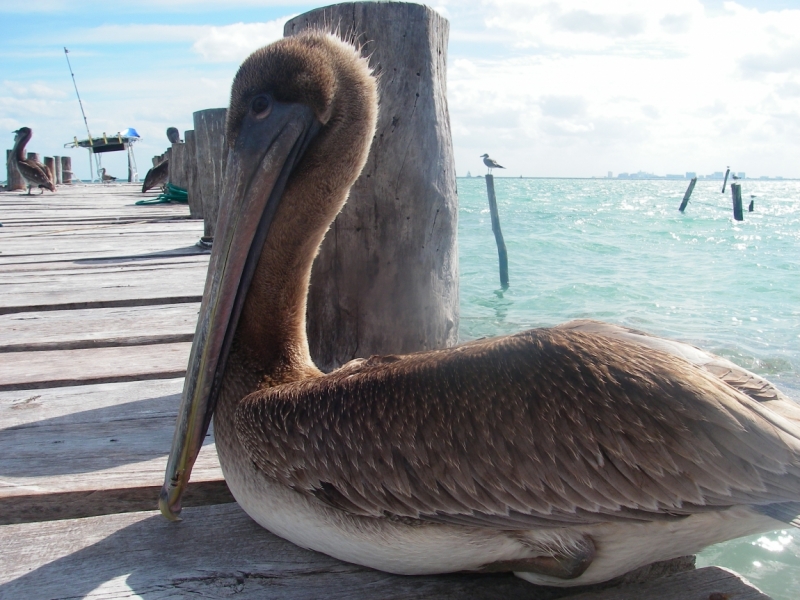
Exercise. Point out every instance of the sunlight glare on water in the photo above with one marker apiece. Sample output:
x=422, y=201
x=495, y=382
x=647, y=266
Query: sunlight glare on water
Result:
x=620, y=251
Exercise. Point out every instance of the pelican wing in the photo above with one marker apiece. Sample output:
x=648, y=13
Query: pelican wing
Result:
x=35, y=173
x=547, y=427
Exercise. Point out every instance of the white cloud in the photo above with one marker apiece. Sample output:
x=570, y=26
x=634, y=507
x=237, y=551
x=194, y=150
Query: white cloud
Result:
x=603, y=85
x=236, y=42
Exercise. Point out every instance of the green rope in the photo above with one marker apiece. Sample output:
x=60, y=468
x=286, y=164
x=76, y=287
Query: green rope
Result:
x=172, y=193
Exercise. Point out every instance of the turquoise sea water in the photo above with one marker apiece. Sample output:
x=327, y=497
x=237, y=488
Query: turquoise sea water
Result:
x=619, y=251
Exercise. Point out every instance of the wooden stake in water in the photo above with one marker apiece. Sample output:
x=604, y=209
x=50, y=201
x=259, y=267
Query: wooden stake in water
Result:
x=498, y=235
x=688, y=194
x=725, y=181
x=736, y=193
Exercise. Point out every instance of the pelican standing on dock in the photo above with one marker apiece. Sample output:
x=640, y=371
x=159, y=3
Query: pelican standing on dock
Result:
x=569, y=455
x=491, y=163
x=33, y=173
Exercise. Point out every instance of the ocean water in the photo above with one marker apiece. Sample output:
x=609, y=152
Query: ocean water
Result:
x=620, y=251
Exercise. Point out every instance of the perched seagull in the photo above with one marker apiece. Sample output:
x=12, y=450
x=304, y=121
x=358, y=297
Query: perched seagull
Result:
x=569, y=455
x=33, y=173
x=491, y=163
x=735, y=177
x=105, y=178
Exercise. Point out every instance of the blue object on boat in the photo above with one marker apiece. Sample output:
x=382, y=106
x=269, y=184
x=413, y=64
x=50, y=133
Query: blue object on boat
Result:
x=131, y=132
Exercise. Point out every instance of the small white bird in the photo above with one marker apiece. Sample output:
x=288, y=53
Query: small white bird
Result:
x=491, y=163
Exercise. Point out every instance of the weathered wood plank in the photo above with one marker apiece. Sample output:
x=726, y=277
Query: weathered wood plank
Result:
x=45, y=273
x=80, y=291
x=94, y=328
x=59, y=368
x=96, y=449
x=217, y=551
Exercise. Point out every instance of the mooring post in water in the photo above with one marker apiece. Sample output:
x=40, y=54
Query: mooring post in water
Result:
x=498, y=235
x=725, y=181
x=736, y=193
x=688, y=194
x=750, y=207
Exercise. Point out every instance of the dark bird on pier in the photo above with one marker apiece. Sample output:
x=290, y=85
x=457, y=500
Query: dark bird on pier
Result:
x=173, y=135
x=157, y=176
x=33, y=173
x=568, y=455
x=491, y=163
x=105, y=177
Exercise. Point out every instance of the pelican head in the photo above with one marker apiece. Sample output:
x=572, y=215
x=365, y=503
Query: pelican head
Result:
x=294, y=105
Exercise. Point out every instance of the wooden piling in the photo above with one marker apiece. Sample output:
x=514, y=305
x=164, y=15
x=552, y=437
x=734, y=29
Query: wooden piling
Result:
x=34, y=156
x=50, y=165
x=725, y=181
x=750, y=207
x=688, y=194
x=211, y=155
x=66, y=170
x=736, y=193
x=190, y=169
x=502, y=254
x=386, y=277
x=13, y=178
x=57, y=165
x=177, y=176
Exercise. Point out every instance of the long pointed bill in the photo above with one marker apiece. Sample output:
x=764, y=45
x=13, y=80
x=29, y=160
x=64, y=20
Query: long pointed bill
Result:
x=258, y=167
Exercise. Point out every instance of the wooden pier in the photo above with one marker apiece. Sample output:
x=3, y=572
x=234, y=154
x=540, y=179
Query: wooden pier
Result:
x=97, y=313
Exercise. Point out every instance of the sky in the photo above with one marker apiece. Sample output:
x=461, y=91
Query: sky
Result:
x=549, y=88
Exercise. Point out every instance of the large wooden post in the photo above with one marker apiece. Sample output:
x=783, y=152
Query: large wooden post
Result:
x=190, y=171
x=211, y=154
x=13, y=179
x=386, y=277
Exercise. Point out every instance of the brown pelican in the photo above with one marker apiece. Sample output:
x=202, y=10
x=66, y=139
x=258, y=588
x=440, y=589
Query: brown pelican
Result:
x=491, y=163
x=33, y=173
x=156, y=176
x=104, y=177
x=568, y=455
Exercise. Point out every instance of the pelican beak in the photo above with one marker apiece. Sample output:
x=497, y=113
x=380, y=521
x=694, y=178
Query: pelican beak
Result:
x=259, y=164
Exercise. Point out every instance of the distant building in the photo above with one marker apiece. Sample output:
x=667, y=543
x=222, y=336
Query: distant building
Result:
x=673, y=176
x=610, y=175
x=469, y=174
x=690, y=174
x=740, y=175
x=716, y=175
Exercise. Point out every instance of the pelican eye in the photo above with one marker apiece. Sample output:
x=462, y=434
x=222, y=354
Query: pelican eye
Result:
x=261, y=106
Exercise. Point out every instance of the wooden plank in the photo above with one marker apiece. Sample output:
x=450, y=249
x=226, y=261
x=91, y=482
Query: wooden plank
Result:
x=217, y=551
x=96, y=449
x=46, y=273
x=176, y=258
x=80, y=291
x=95, y=328
x=59, y=368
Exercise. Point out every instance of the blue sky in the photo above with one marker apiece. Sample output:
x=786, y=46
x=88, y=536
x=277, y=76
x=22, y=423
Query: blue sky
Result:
x=549, y=88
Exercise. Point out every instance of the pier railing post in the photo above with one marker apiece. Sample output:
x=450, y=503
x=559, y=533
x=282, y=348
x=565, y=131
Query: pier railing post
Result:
x=386, y=277
x=212, y=154
x=57, y=166
x=50, y=165
x=190, y=170
x=13, y=178
x=502, y=254
x=66, y=170
x=688, y=194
